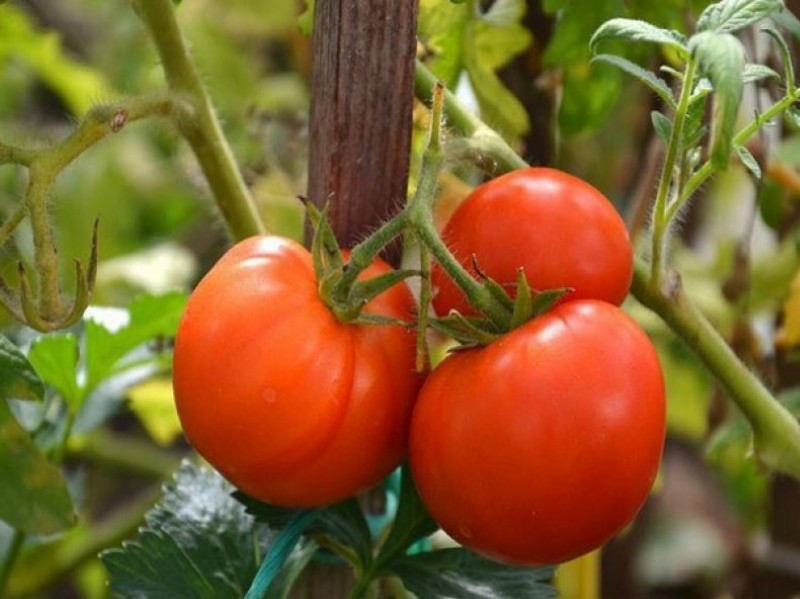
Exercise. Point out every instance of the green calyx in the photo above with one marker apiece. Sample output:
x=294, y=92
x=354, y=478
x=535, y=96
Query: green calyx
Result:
x=337, y=278
x=527, y=304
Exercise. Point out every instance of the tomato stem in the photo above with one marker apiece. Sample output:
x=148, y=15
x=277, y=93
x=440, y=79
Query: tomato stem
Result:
x=422, y=222
x=202, y=131
x=776, y=431
x=669, y=183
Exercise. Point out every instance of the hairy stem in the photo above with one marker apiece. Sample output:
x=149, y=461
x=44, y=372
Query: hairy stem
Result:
x=203, y=131
x=665, y=186
x=777, y=433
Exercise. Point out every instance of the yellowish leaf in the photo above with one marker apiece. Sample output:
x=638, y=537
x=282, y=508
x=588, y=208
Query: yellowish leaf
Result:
x=154, y=405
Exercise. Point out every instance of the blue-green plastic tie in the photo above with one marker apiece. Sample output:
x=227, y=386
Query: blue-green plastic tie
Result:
x=279, y=552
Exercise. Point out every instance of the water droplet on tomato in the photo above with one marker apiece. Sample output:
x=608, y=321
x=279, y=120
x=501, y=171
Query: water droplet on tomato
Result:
x=465, y=531
x=269, y=395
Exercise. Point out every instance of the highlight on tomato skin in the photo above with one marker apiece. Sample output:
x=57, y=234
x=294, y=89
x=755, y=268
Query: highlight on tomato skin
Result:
x=292, y=406
x=543, y=445
x=560, y=229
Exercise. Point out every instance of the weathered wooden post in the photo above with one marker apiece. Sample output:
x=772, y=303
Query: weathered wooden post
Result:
x=361, y=102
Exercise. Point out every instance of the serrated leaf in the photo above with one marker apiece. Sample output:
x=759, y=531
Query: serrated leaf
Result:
x=721, y=58
x=634, y=30
x=344, y=522
x=412, y=521
x=757, y=72
x=731, y=15
x=461, y=574
x=655, y=83
x=662, y=126
x=197, y=542
x=33, y=495
x=18, y=379
x=55, y=358
x=749, y=161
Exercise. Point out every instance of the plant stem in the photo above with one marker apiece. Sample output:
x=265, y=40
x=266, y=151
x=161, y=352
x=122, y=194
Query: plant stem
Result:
x=422, y=223
x=203, y=132
x=776, y=432
x=126, y=453
x=484, y=140
x=660, y=212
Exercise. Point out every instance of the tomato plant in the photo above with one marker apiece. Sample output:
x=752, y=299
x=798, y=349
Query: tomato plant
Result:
x=559, y=228
x=281, y=397
x=544, y=444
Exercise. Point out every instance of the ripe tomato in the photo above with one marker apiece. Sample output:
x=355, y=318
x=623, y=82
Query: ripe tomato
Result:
x=560, y=229
x=292, y=406
x=543, y=445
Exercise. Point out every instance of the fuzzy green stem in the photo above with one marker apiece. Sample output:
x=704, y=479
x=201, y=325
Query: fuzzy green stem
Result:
x=425, y=297
x=363, y=254
x=203, y=132
x=483, y=141
x=14, y=155
x=776, y=432
x=8, y=227
x=661, y=220
x=51, y=306
x=421, y=219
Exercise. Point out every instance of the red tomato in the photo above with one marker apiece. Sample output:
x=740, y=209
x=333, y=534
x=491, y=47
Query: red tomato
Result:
x=560, y=229
x=543, y=445
x=292, y=406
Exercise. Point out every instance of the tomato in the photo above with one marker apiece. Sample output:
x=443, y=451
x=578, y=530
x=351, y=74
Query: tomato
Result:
x=544, y=444
x=560, y=229
x=292, y=406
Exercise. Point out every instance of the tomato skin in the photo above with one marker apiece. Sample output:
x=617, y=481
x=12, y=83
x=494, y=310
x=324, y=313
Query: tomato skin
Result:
x=543, y=445
x=559, y=228
x=292, y=406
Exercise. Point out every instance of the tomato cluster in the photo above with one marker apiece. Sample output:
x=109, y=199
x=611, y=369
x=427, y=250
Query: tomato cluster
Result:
x=533, y=449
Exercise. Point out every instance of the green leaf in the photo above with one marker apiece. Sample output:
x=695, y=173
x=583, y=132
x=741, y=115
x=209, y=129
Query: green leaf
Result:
x=150, y=317
x=460, y=39
x=750, y=163
x=196, y=542
x=721, y=58
x=757, y=72
x=731, y=15
x=634, y=30
x=344, y=523
x=78, y=85
x=786, y=54
x=33, y=495
x=662, y=126
x=655, y=83
x=18, y=379
x=55, y=358
x=465, y=575
x=412, y=521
